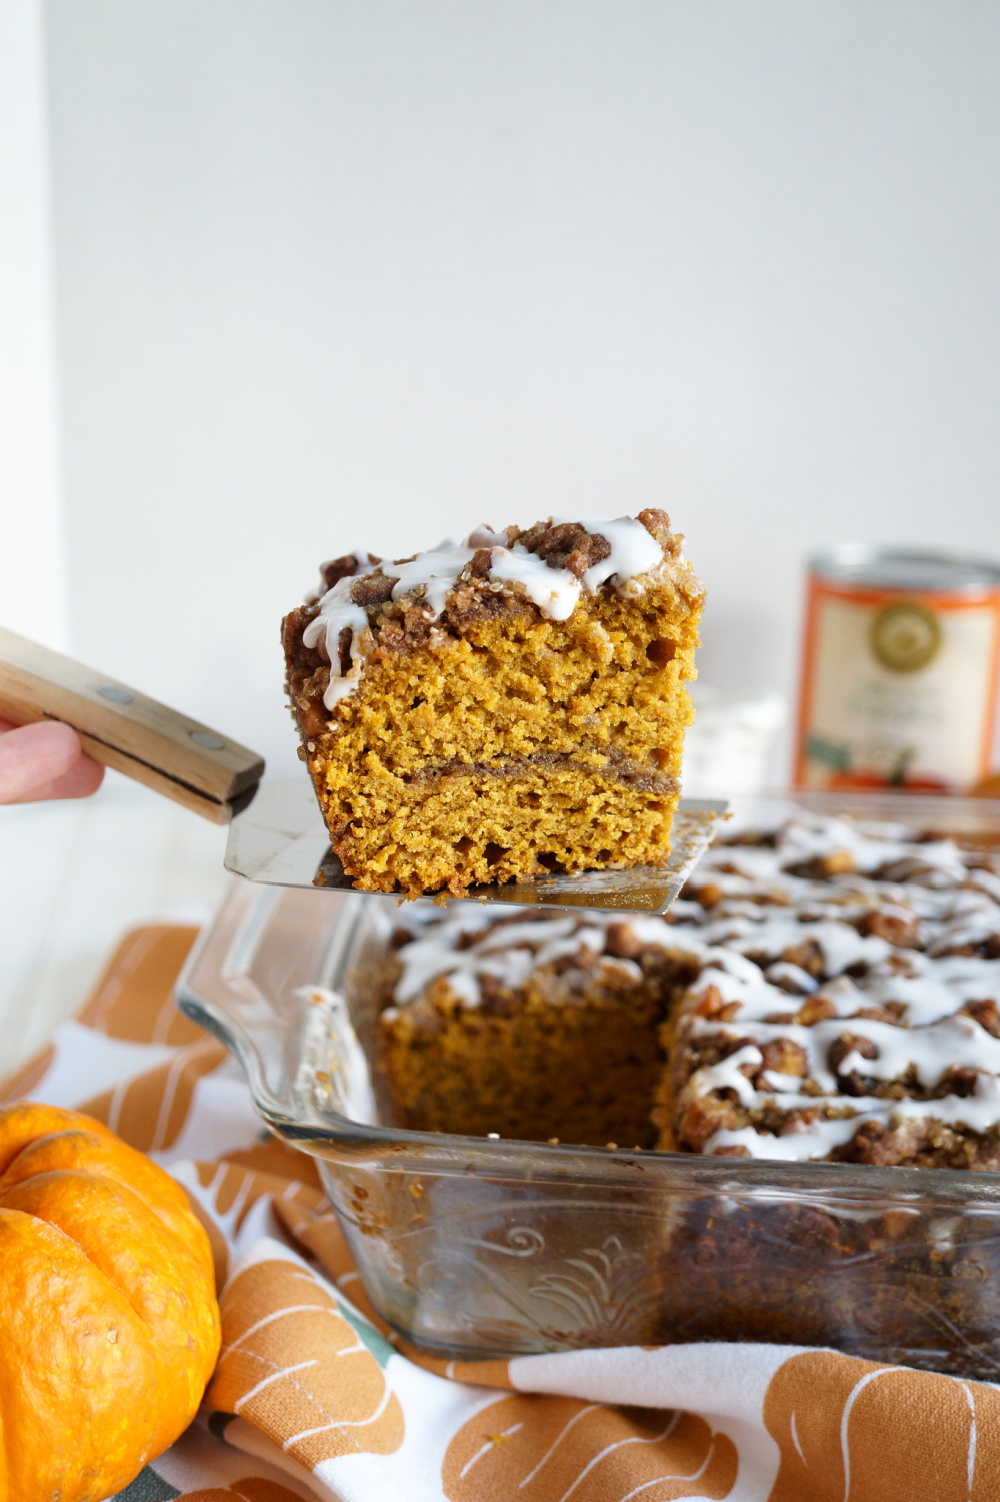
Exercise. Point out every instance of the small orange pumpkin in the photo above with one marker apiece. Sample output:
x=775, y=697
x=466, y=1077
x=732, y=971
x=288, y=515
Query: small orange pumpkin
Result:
x=109, y=1326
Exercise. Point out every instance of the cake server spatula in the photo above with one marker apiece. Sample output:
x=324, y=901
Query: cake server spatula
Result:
x=276, y=831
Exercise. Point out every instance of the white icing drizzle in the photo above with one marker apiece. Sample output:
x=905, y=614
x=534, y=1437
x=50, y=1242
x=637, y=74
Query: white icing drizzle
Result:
x=841, y=945
x=988, y=882
x=337, y=612
x=979, y=1112
x=485, y=537
x=728, y=1075
x=555, y=591
x=815, y=1142
x=781, y=973
x=954, y=1041
x=945, y=984
x=424, y=960
x=634, y=551
x=435, y=571
x=807, y=839
x=511, y=952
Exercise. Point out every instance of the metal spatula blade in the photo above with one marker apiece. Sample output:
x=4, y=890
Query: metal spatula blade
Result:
x=280, y=839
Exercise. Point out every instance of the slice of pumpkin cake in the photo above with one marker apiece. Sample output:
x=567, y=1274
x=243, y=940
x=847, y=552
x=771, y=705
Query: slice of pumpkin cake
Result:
x=500, y=708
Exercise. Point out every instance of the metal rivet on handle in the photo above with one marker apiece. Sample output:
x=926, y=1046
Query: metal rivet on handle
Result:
x=114, y=693
x=208, y=740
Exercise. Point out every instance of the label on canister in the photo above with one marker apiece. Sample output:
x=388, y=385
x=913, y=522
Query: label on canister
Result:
x=899, y=679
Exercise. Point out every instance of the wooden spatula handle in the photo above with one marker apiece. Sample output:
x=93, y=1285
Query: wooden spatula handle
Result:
x=122, y=728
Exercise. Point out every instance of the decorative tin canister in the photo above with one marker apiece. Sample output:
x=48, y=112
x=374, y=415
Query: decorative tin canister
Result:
x=899, y=670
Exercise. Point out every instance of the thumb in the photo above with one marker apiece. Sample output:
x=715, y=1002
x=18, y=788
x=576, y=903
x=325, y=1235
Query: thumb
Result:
x=44, y=760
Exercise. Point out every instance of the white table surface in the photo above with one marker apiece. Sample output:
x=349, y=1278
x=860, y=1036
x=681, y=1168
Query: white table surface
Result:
x=73, y=877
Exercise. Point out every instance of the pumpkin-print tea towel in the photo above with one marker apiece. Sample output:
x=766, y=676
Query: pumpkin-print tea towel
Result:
x=314, y=1397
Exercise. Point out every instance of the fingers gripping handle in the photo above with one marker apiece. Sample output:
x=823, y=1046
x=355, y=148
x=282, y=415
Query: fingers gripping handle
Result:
x=120, y=727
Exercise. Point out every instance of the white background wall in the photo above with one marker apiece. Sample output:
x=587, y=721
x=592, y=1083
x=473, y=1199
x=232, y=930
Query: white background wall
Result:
x=33, y=583
x=334, y=273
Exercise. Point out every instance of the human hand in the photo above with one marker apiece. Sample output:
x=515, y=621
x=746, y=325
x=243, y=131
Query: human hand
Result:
x=44, y=760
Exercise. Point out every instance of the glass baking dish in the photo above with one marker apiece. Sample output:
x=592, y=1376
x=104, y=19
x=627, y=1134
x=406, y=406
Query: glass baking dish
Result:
x=475, y=1247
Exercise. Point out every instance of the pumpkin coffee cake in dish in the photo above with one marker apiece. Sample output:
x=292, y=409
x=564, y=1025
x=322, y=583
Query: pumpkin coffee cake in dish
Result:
x=500, y=708
x=822, y=990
